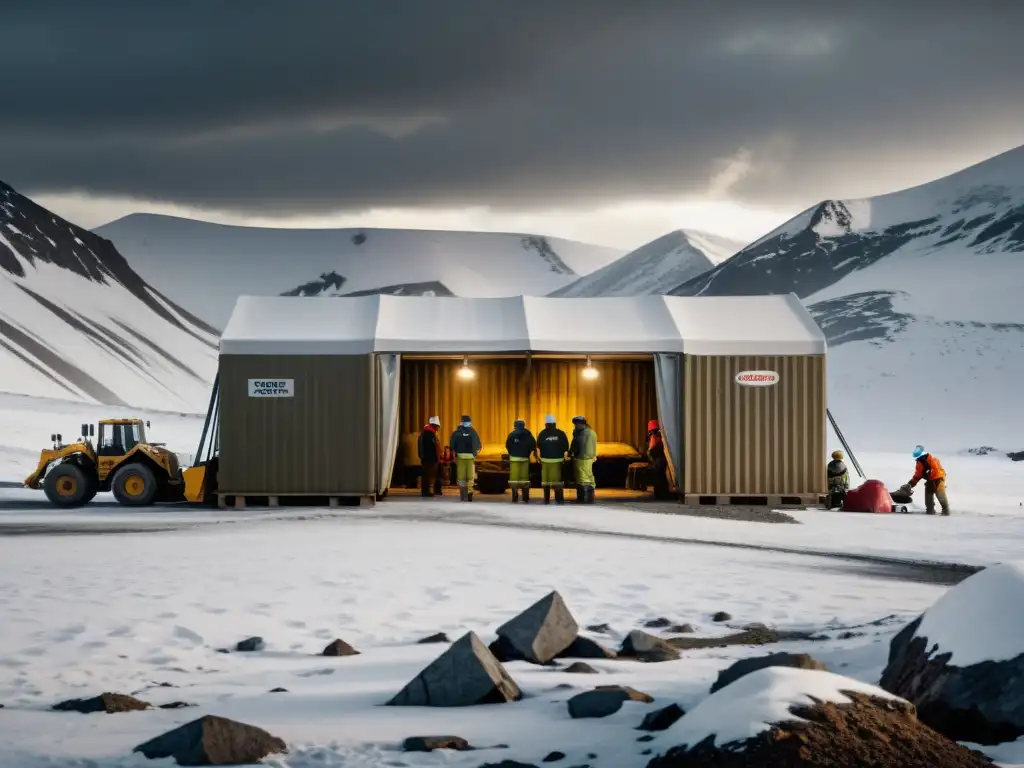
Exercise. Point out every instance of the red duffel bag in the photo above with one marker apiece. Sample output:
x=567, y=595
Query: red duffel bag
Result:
x=872, y=496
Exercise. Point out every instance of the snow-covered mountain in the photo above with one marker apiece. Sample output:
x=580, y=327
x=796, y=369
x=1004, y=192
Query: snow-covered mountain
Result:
x=77, y=323
x=205, y=266
x=919, y=294
x=668, y=260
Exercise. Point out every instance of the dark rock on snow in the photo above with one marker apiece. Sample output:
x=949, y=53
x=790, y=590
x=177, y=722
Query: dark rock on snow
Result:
x=662, y=719
x=250, y=644
x=746, y=666
x=681, y=629
x=983, y=704
x=580, y=668
x=439, y=637
x=503, y=650
x=585, y=648
x=554, y=757
x=644, y=647
x=599, y=629
x=177, y=705
x=1016, y=456
x=604, y=700
x=213, y=740
x=659, y=623
x=106, y=702
x=542, y=631
x=867, y=732
x=430, y=743
x=464, y=675
x=646, y=736
x=722, y=616
x=339, y=648
x=278, y=690
x=508, y=764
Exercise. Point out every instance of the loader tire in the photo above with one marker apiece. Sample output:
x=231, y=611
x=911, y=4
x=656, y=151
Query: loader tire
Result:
x=134, y=485
x=68, y=485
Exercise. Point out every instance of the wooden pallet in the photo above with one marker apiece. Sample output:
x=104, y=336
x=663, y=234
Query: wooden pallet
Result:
x=771, y=501
x=241, y=501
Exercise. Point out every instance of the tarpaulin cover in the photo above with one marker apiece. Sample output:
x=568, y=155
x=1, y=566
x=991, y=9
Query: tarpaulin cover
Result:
x=871, y=496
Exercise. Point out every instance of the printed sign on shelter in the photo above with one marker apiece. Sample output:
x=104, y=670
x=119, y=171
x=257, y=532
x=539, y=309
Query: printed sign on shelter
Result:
x=757, y=378
x=271, y=387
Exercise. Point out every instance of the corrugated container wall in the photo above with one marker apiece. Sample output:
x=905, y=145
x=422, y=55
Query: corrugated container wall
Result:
x=318, y=442
x=617, y=404
x=744, y=440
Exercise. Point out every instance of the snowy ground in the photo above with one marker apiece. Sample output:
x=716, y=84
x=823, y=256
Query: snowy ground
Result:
x=123, y=612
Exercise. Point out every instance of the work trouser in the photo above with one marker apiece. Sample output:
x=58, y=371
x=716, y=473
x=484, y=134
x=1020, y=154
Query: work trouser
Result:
x=518, y=472
x=428, y=483
x=465, y=470
x=584, y=472
x=551, y=473
x=935, y=489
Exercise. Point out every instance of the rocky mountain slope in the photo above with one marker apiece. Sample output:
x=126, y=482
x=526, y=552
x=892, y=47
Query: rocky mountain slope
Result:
x=667, y=260
x=77, y=322
x=205, y=266
x=918, y=292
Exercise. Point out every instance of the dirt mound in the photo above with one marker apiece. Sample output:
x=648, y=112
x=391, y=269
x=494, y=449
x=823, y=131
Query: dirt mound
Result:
x=870, y=731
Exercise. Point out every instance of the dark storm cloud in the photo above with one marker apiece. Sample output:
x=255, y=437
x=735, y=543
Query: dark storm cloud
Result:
x=281, y=107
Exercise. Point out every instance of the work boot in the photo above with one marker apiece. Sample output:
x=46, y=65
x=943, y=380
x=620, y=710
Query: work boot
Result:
x=581, y=494
x=469, y=496
x=929, y=511
x=547, y=495
x=945, y=513
x=463, y=493
x=526, y=495
x=589, y=498
x=559, y=496
x=515, y=495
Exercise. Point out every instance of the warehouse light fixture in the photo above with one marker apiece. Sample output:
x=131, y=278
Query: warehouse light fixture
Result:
x=465, y=372
x=590, y=372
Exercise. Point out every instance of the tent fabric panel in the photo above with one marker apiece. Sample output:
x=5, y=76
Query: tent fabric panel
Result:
x=283, y=325
x=669, y=388
x=601, y=325
x=745, y=325
x=389, y=369
x=450, y=324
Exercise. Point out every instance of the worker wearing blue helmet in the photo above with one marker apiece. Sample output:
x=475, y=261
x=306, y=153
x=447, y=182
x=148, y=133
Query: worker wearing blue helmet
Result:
x=929, y=469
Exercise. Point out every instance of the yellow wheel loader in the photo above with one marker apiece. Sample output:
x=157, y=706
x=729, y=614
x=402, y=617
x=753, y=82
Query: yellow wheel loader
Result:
x=122, y=461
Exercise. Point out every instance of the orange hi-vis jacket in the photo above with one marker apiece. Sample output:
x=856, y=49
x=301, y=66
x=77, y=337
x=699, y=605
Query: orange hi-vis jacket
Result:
x=928, y=468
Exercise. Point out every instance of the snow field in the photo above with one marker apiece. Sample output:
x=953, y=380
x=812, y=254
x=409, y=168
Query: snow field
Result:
x=121, y=613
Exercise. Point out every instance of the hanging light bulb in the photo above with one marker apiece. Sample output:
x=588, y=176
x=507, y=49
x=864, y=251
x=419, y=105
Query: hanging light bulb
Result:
x=590, y=372
x=465, y=372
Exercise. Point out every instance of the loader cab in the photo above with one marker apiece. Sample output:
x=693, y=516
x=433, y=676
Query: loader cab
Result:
x=118, y=437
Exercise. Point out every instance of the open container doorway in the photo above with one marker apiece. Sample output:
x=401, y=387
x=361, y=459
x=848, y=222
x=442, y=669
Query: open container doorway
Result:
x=617, y=395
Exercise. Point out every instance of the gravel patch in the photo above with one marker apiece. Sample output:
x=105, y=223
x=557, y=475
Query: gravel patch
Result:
x=737, y=513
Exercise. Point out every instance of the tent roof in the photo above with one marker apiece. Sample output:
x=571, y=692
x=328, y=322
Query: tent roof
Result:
x=701, y=325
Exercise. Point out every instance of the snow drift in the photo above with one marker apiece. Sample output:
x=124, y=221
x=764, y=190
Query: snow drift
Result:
x=206, y=266
x=918, y=293
x=667, y=260
x=77, y=322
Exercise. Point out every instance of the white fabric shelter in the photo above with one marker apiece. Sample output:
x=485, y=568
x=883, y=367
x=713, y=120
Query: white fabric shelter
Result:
x=745, y=325
x=702, y=325
x=600, y=325
x=292, y=325
x=432, y=324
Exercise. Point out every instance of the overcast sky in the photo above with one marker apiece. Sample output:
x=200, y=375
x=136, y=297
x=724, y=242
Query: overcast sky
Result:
x=607, y=120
